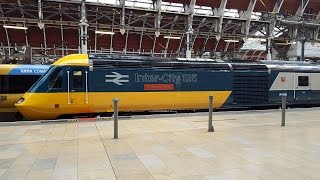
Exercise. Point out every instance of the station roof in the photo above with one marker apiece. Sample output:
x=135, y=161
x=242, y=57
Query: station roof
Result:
x=136, y=33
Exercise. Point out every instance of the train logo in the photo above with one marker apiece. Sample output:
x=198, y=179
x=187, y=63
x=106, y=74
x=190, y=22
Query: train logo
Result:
x=117, y=78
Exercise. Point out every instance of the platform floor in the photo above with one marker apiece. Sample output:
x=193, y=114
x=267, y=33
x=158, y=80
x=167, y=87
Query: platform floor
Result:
x=245, y=145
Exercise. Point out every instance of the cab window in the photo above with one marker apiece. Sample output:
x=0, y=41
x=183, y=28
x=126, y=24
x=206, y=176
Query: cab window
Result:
x=55, y=79
x=77, y=77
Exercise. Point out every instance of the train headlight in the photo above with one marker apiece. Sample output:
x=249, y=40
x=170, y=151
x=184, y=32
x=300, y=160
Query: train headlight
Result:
x=20, y=101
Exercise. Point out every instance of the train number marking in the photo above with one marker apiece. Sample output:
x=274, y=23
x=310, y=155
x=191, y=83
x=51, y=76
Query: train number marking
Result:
x=117, y=78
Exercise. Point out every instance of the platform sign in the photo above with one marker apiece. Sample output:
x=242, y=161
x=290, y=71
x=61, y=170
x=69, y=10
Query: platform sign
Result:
x=283, y=94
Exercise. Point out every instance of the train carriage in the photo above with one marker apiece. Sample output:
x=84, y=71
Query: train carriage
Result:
x=15, y=80
x=82, y=84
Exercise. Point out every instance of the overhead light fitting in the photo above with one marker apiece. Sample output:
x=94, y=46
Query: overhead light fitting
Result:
x=172, y=37
x=105, y=32
x=15, y=27
x=286, y=43
x=231, y=40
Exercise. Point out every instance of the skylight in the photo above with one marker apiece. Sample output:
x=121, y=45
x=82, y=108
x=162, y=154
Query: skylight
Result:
x=174, y=7
x=205, y=10
x=146, y=4
x=254, y=44
x=231, y=13
x=256, y=15
x=113, y=2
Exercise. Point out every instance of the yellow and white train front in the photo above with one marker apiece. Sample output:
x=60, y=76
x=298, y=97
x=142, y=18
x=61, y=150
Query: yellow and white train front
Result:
x=60, y=91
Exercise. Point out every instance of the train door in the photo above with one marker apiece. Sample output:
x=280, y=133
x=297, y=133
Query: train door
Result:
x=302, y=87
x=78, y=87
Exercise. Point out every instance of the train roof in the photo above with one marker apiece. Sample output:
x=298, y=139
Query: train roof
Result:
x=110, y=60
x=73, y=60
x=139, y=61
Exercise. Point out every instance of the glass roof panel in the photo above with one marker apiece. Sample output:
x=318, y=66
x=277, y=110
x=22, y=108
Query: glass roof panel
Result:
x=203, y=10
x=114, y=2
x=231, y=13
x=174, y=7
x=256, y=15
x=254, y=44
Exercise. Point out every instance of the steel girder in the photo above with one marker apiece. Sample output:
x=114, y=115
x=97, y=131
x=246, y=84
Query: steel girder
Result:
x=147, y=22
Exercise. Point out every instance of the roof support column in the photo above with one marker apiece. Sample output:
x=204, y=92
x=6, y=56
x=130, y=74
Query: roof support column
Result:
x=277, y=6
x=190, y=12
x=269, y=46
x=111, y=38
x=270, y=28
x=302, y=7
x=8, y=40
x=154, y=45
x=168, y=40
x=122, y=16
x=61, y=32
x=40, y=9
x=24, y=24
x=316, y=33
x=5, y=29
x=275, y=11
x=245, y=29
x=45, y=40
x=180, y=44
x=226, y=47
x=127, y=36
x=41, y=25
x=83, y=29
x=299, y=14
x=220, y=12
x=95, y=34
x=141, y=38
x=157, y=19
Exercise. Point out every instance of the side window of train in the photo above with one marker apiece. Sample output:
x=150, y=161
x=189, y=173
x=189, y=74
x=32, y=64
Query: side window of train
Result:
x=10, y=84
x=55, y=79
x=77, y=79
x=4, y=84
x=303, y=80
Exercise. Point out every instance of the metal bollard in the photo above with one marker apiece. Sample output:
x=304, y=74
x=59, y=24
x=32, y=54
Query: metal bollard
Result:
x=115, y=118
x=210, y=127
x=283, y=106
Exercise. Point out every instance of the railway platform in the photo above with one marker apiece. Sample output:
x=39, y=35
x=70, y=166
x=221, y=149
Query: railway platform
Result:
x=245, y=145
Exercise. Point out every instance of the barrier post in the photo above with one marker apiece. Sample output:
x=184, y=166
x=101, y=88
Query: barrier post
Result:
x=283, y=106
x=210, y=127
x=115, y=118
